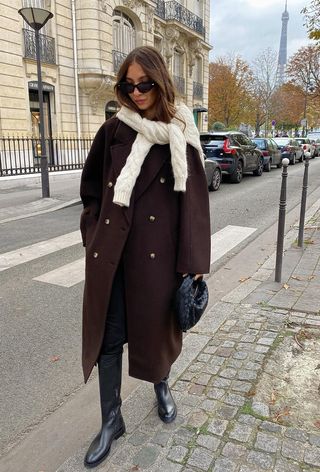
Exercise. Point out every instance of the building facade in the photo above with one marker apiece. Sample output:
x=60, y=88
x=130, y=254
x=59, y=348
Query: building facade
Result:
x=82, y=47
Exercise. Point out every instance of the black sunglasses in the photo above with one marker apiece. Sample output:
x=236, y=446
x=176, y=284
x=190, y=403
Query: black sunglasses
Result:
x=143, y=87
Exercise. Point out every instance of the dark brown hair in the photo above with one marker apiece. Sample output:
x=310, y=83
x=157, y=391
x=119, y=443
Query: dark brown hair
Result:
x=155, y=68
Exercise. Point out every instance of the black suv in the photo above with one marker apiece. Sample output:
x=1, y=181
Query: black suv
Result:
x=234, y=152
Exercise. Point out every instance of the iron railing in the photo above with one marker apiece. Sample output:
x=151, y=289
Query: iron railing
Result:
x=47, y=47
x=118, y=58
x=180, y=84
x=173, y=10
x=197, y=90
x=23, y=155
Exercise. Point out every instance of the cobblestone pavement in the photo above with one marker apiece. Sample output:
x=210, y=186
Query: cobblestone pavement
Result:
x=220, y=426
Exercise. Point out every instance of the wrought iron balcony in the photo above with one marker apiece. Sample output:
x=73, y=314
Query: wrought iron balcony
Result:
x=47, y=47
x=173, y=10
x=118, y=58
x=197, y=90
x=180, y=84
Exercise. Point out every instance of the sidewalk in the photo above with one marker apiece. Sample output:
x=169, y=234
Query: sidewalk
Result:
x=238, y=408
x=20, y=197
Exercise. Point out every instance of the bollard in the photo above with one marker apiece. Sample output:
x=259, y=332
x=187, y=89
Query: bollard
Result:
x=282, y=219
x=303, y=199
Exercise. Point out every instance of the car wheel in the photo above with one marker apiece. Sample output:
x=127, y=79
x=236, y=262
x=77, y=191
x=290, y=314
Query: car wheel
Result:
x=216, y=180
x=301, y=158
x=267, y=167
x=259, y=169
x=279, y=165
x=237, y=174
x=293, y=161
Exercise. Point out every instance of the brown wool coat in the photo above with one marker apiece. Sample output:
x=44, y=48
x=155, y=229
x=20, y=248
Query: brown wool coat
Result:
x=162, y=235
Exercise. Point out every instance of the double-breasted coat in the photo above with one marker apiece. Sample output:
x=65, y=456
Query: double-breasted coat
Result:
x=161, y=235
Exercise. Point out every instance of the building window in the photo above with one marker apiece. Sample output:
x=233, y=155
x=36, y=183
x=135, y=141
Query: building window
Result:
x=124, y=38
x=178, y=71
x=197, y=79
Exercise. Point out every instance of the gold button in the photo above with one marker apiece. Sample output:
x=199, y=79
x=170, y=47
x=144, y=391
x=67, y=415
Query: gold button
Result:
x=95, y=255
x=162, y=180
x=110, y=184
x=107, y=221
x=152, y=255
x=152, y=218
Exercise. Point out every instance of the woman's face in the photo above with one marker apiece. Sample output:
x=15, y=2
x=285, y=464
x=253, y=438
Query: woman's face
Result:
x=144, y=101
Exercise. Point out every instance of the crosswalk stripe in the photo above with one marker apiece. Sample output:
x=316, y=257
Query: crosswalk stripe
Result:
x=65, y=276
x=227, y=238
x=40, y=249
x=221, y=243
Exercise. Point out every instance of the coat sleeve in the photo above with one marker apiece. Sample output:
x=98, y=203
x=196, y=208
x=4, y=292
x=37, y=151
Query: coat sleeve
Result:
x=194, y=228
x=92, y=177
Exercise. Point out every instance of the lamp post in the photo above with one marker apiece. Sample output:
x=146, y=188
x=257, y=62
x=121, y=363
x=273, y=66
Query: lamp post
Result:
x=37, y=18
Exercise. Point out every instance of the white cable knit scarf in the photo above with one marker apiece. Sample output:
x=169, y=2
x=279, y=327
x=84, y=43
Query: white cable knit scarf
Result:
x=176, y=133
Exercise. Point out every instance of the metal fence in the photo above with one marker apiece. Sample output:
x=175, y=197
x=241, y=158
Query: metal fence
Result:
x=22, y=155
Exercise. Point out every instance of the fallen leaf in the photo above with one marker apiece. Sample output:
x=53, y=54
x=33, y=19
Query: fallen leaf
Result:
x=273, y=398
x=135, y=467
x=243, y=279
x=310, y=277
x=318, y=367
x=296, y=277
x=55, y=358
x=279, y=414
x=317, y=424
x=286, y=286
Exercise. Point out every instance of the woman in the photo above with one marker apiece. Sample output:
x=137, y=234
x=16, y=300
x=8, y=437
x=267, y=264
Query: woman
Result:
x=145, y=224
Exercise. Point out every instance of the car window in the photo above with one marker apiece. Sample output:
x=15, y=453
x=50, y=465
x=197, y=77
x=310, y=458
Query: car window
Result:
x=281, y=141
x=241, y=138
x=211, y=138
x=261, y=143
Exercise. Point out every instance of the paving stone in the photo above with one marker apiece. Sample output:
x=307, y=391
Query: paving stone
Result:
x=177, y=453
x=217, y=360
x=247, y=375
x=138, y=438
x=200, y=458
x=146, y=456
x=210, y=349
x=234, y=451
x=312, y=456
x=283, y=465
x=204, y=357
x=187, y=376
x=197, y=419
x=218, y=426
x=240, y=355
x=248, y=338
x=262, y=460
x=182, y=437
x=211, y=369
x=262, y=348
x=251, y=365
x=260, y=408
x=297, y=434
x=228, y=344
x=241, y=432
x=196, y=367
x=209, y=405
x=241, y=386
x=216, y=393
x=314, y=439
x=224, y=351
x=272, y=427
x=224, y=465
x=266, y=442
x=166, y=466
x=208, y=441
x=248, y=419
x=202, y=379
x=250, y=468
x=161, y=438
x=191, y=400
x=233, y=399
x=292, y=449
x=221, y=383
x=235, y=363
x=228, y=373
x=195, y=389
x=227, y=411
x=180, y=385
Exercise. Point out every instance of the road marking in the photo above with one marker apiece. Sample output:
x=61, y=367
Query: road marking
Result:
x=221, y=243
x=227, y=238
x=65, y=276
x=40, y=249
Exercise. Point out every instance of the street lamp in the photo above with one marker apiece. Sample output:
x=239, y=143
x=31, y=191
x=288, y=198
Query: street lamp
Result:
x=37, y=18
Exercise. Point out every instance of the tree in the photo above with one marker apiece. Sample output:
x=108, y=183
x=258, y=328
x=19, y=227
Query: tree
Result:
x=288, y=106
x=312, y=19
x=229, y=79
x=262, y=88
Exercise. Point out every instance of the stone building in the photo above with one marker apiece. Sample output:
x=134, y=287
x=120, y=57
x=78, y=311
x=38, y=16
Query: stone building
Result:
x=82, y=47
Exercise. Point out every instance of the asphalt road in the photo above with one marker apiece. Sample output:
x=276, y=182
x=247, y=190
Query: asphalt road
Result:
x=40, y=323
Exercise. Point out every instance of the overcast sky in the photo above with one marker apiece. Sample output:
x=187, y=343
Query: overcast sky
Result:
x=247, y=27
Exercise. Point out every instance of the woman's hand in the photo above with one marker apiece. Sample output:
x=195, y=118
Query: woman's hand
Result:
x=196, y=277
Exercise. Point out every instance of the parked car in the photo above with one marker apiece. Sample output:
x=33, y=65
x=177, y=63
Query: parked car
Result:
x=270, y=151
x=290, y=149
x=234, y=152
x=314, y=137
x=213, y=174
x=307, y=146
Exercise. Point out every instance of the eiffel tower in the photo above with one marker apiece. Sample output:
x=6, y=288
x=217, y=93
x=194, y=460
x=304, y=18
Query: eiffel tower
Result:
x=282, y=57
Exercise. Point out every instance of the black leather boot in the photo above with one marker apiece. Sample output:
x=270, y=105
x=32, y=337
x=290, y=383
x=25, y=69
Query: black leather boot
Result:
x=112, y=422
x=167, y=409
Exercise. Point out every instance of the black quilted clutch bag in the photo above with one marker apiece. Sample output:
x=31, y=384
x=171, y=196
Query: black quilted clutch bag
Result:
x=190, y=302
